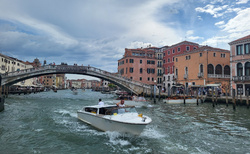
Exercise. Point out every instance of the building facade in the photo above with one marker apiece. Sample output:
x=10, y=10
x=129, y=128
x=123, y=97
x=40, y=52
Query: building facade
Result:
x=240, y=65
x=202, y=66
x=139, y=65
x=168, y=61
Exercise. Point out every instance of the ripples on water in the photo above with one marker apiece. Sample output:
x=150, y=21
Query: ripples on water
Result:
x=47, y=123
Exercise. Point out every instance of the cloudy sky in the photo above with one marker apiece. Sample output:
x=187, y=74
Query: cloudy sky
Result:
x=96, y=32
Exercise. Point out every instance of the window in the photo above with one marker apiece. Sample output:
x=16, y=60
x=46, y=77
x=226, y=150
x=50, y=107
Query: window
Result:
x=223, y=55
x=195, y=48
x=247, y=69
x=173, y=59
x=239, y=49
x=131, y=69
x=169, y=60
x=164, y=54
x=226, y=70
x=140, y=61
x=173, y=51
x=131, y=78
x=176, y=72
x=131, y=60
x=188, y=57
x=148, y=70
x=179, y=49
x=218, y=69
x=126, y=60
x=188, y=48
x=247, y=48
x=210, y=69
x=164, y=62
x=201, y=68
x=214, y=54
x=176, y=59
x=239, y=69
x=200, y=54
x=153, y=71
x=168, y=52
x=193, y=83
x=168, y=69
x=141, y=70
x=140, y=78
x=152, y=79
x=148, y=79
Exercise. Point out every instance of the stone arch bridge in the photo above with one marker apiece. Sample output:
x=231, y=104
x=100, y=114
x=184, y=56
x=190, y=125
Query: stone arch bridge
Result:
x=124, y=83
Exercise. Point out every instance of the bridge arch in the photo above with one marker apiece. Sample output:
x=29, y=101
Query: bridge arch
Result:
x=124, y=83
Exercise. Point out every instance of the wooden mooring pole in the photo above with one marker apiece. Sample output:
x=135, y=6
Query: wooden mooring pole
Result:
x=227, y=96
x=197, y=97
x=247, y=101
x=234, y=102
x=213, y=97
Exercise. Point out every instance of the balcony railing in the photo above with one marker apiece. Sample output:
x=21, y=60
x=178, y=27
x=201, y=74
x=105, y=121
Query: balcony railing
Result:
x=241, y=78
x=159, y=74
x=185, y=76
x=200, y=75
x=159, y=65
x=218, y=76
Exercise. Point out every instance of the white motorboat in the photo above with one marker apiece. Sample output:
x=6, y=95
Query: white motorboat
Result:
x=180, y=100
x=113, y=118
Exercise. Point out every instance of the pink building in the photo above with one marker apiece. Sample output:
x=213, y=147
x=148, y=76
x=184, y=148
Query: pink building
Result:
x=168, y=60
x=240, y=65
x=139, y=64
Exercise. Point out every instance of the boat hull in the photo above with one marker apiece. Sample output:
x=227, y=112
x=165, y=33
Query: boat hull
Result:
x=107, y=124
x=180, y=101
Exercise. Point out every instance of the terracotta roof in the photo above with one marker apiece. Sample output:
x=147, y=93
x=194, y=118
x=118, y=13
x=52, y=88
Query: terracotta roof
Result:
x=204, y=48
x=240, y=39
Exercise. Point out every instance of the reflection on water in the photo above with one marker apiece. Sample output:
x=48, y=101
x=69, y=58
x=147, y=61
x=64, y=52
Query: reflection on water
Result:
x=47, y=123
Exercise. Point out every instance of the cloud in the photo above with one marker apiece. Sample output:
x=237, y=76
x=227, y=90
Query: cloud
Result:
x=219, y=23
x=211, y=9
x=242, y=1
x=84, y=32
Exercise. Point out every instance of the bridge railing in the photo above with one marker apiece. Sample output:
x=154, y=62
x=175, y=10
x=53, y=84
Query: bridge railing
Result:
x=73, y=68
x=118, y=76
x=29, y=70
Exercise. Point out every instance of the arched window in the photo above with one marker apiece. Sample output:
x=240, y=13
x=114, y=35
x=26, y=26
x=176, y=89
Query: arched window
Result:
x=239, y=69
x=218, y=69
x=226, y=70
x=201, y=68
x=210, y=69
x=247, y=69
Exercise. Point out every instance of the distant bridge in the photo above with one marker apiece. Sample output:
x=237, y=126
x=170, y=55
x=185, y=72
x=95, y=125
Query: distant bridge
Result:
x=135, y=87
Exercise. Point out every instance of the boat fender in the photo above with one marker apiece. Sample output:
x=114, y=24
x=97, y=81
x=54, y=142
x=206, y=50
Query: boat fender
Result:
x=140, y=115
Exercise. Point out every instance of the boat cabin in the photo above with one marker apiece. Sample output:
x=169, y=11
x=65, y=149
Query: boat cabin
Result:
x=108, y=110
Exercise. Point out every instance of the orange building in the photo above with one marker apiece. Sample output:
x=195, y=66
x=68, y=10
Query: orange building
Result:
x=202, y=66
x=240, y=64
x=139, y=64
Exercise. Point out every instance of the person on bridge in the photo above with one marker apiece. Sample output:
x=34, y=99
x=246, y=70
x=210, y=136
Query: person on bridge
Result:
x=101, y=103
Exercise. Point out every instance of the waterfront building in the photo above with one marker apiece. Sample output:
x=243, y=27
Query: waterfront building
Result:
x=202, y=66
x=139, y=65
x=168, y=61
x=160, y=70
x=50, y=81
x=10, y=64
x=60, y=81
x=240, y=65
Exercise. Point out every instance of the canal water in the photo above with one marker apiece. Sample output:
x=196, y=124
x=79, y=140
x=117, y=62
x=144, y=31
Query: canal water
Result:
x=47, y=123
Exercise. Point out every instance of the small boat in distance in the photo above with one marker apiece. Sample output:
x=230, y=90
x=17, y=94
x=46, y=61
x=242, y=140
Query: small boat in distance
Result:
x=113, y=118
x=74, y=90
x=180, y=100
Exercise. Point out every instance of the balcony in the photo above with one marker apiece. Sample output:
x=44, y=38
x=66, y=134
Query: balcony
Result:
x=200, y=75
x=185, y=76
x=218, y=76
x=159, y=65
x=241, y=78
x=159, y=74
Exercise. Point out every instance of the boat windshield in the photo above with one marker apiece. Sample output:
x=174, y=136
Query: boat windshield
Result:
x=121, y=110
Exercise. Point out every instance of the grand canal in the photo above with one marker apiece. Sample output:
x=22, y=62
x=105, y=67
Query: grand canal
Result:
x=47, y=123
